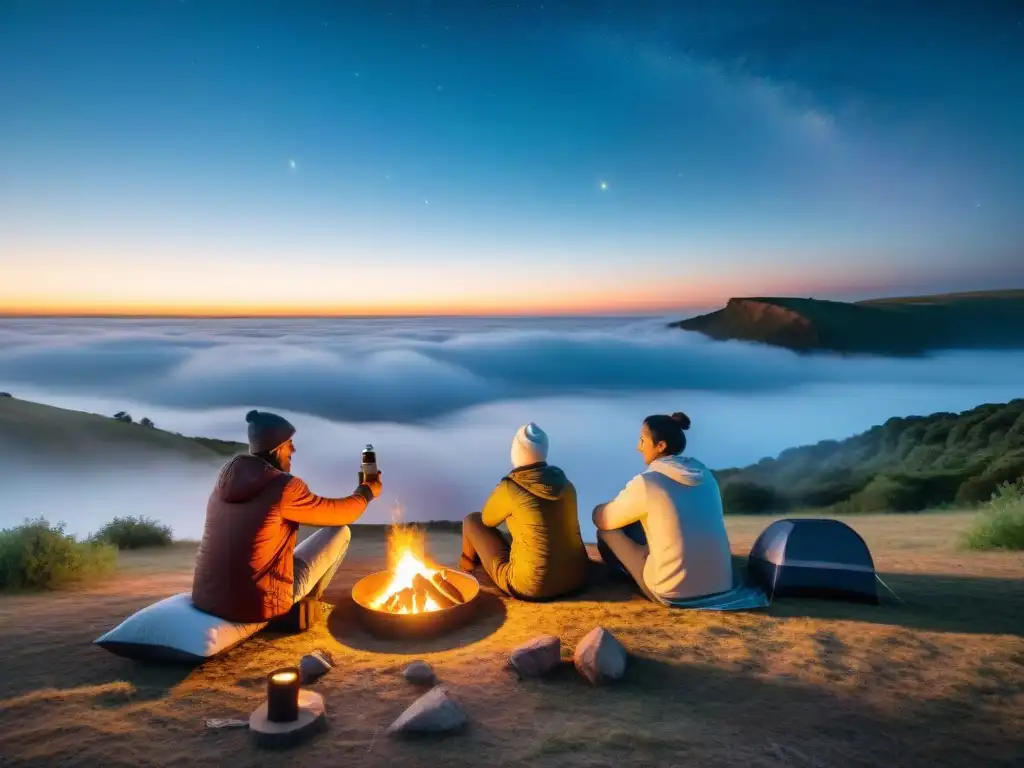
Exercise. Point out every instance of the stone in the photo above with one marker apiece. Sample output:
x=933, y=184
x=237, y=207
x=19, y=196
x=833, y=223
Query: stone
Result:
x=312, y=720
x=537, y=657
x=600, y=657
x=433, y=712
x=419, y=673
x=314, y=665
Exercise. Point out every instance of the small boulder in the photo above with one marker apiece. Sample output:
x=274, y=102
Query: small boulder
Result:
x=314, y=665
x=419, y=673
x=433, y=712
x=537, y=657
x=600, y=657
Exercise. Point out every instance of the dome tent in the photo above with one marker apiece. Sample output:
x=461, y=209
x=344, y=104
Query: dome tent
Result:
x=813, y=558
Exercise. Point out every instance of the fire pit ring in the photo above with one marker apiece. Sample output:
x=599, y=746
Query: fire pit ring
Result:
x=385, y=624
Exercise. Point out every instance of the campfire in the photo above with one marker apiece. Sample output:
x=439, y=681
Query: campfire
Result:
x=415, y=587
x=414, y=597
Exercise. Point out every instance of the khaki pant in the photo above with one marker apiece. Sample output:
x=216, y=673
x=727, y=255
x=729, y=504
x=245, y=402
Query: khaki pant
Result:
x=317, y=560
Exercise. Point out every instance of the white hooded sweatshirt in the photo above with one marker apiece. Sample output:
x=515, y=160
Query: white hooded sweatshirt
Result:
x=678, y=502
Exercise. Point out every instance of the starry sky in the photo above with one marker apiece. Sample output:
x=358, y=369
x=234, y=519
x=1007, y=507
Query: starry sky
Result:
x=375, y=157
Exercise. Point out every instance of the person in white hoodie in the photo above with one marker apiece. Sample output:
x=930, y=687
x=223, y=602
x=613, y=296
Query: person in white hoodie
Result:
x=665, y=529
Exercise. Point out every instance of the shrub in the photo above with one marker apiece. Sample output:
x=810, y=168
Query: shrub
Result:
x=741, y=497
x=37, y=555
x=6, y=394
x=146, y=422
x=123, y=416
x=134, y=533
x=1001, y=524
x=887, y=493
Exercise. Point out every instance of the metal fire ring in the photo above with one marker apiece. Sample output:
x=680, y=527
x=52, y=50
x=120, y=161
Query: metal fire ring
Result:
x=413, y=625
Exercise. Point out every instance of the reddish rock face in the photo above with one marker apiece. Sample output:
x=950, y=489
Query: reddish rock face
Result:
x=756, y=320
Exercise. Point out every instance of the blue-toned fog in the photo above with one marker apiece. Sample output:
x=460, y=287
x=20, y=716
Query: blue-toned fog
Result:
x=441, y=399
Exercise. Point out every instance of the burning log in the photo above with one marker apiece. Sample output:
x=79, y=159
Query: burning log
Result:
x=420, y=600
x=401, y=600
x=421, y=582
x=405, y=602
x=440, y=579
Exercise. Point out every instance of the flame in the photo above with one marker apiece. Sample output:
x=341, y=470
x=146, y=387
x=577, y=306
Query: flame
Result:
x=405, y=559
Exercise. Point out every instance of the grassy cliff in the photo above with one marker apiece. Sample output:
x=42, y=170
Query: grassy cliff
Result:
x=904, y=465
x=899, y=326
x=28, y=428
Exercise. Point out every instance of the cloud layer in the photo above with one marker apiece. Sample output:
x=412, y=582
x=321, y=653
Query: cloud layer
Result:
x=373, y=370
x=441, y=401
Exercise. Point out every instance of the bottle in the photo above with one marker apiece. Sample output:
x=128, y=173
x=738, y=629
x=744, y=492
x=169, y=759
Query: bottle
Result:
x=369, y=462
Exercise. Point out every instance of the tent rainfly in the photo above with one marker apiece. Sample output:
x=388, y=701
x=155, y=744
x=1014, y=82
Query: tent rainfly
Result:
x=813, y=558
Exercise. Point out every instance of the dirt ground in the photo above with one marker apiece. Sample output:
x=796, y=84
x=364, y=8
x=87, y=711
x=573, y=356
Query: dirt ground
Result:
x=937, y=681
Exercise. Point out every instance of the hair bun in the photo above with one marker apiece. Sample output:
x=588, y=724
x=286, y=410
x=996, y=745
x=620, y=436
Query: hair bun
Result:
x=251, y=416
x=681, y=419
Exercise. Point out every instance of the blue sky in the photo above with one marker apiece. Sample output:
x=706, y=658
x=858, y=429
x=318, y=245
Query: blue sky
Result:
x=353, y=156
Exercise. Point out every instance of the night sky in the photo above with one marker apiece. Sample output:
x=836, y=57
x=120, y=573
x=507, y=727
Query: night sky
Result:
x=466, y=156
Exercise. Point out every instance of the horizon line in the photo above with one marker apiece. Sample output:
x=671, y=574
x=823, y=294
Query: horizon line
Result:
x=476, y=313
x=320, y=316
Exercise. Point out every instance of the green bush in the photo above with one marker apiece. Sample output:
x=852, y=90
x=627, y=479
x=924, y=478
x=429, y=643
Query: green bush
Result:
x=742, y=497
x=37, y=555
x=1001, y=524
x=134, y=533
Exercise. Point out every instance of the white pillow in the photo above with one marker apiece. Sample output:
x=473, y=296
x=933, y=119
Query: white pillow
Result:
x=174, y=630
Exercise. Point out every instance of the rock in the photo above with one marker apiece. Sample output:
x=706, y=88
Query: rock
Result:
x=313, y=665
x=433, y=712
x=419, y=673
x=600, y=657
x=537, y=657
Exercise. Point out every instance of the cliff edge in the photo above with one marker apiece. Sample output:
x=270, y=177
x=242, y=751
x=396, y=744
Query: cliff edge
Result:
x=902, y=326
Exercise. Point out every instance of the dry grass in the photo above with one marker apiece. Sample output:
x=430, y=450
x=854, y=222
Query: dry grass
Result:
x=938, y=681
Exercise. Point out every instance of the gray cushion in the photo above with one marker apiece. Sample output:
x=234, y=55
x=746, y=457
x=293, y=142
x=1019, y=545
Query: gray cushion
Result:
x=175, y=630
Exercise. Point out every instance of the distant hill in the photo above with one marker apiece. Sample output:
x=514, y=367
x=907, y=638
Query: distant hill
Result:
x=904, y=465
x=900, y=326
x=28, y=429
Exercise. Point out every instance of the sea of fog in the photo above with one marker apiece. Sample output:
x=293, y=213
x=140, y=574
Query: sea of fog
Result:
x=440, y=400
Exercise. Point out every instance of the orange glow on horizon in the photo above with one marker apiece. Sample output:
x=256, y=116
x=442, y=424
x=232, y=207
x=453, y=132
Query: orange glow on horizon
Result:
x=559, y=291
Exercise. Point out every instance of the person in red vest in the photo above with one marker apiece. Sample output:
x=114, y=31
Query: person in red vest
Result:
x=249, y=568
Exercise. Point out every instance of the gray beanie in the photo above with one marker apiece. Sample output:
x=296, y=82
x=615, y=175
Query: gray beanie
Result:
x=267, y=431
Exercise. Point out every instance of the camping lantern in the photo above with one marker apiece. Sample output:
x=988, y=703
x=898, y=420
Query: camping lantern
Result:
x=283, y=695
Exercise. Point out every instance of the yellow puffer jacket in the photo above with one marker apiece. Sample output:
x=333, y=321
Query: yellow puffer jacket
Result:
x=538, y=504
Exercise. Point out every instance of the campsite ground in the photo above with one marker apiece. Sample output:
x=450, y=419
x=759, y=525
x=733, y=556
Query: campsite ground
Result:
x=937, y=681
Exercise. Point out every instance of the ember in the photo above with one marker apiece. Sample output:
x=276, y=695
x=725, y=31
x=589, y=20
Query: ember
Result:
x=415, y=587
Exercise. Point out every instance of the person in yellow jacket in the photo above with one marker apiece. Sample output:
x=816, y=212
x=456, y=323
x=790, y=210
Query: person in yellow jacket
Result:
x=546, y=557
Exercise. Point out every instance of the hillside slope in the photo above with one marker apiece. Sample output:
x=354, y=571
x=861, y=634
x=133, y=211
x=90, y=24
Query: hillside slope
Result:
x=28, y=429
x=901, y=326
x=904, y=465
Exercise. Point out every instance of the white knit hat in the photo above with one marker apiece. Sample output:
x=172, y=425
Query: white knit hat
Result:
x=529, y=446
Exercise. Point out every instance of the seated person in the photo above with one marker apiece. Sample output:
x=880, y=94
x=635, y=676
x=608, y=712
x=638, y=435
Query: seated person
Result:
x=247, y=568
x=665, y=529
x=546, y=557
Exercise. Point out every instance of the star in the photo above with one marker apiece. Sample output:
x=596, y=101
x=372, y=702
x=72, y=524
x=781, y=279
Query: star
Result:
x=604, y=185
x=291, y=164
